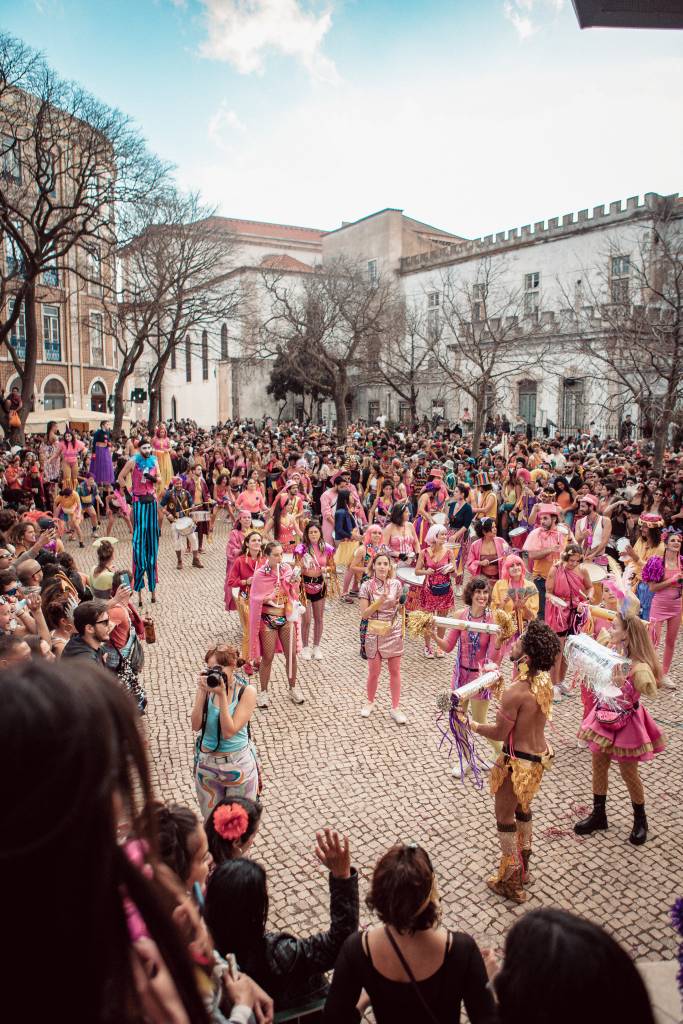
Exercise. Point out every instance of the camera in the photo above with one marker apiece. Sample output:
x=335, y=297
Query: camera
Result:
x=214, y=676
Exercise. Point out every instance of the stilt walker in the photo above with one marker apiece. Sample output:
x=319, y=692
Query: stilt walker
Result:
x=144, y=469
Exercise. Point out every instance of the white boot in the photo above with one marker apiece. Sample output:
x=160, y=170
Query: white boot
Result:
x=317, y=654
x=305, y=654
x=457, y=773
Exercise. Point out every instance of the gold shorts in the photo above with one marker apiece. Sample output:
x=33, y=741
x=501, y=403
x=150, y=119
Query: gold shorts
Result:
x=526, y=776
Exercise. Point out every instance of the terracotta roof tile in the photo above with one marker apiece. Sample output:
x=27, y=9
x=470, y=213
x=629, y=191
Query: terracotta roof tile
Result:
x=276, y=261
x=263, y=229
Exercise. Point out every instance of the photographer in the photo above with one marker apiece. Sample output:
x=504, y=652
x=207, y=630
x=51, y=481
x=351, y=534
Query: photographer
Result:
x=225, y=757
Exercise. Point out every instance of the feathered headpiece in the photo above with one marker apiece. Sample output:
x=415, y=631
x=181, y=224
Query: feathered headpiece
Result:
x=618, y=584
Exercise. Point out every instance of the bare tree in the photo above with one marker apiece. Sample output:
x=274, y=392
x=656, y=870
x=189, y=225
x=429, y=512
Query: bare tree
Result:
x=484, y=332
x=71, y=168
x=326, y=319
x=178, y=289
x=628, y=320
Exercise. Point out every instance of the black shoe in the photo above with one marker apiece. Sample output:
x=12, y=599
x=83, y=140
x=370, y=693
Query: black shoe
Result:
x=596, y=821
x=639, y=830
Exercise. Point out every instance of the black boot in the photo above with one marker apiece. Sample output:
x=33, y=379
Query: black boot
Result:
x=596, y=821
x=639, y=830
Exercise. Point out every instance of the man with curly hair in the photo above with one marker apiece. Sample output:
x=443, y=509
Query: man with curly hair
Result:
x=516, y=776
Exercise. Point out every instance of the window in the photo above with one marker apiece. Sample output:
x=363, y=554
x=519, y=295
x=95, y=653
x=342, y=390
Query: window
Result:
x=10, y=158
x=94, y=271
x=13, y=254
x=404, y=413
x=17, y=338
x=96, y=340
x=50, y=272
x=433, y=315
x=373, y=411
x=527, y=391
x=205, y=355
x=478, y=303
x=188, y=358
x=51, y=337
x=372, y=271
x=98, y=397
x=572, y=405
x=620, y=278
x=54, y=395
x=224, y=342
x=532, y=292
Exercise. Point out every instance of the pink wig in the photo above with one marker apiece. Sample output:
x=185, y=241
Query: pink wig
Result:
x=508, y=562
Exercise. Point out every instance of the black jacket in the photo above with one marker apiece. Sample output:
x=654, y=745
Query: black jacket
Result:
x=291, y=970
x=77, y=648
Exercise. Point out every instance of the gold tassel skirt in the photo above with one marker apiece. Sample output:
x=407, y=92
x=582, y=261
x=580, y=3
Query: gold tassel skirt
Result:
x=526, y=778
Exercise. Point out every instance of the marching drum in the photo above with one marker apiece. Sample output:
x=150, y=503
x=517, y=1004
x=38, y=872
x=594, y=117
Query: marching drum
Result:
x=407, y=575
x=257, y=524
x=597, y=573
x=184, y=526
x=622, y=544
x=517, y=537
x=201, y=517
x=439, y=518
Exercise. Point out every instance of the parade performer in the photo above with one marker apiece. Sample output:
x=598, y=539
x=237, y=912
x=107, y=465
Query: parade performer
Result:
x=117, y=507
x=569, y=592
x=649, y=545
x=460, y=519
x=364, y=554
x=316, y=560
x=544, y=546
x=400, y=536
x=437, y=565
x=70, y=449
x=176, y=504
x=516, y=777
x=487, y=552
x=624, y=732
x=381, y=633
x=161, y=445
x=431, y=502
x=240, y=576
x=201, y=502
x=474, y=650
x=283, y=526
x=664, y=577
x=274, y=592
x=380, y=510
x=516, y=594
x=251, y=499
x=592, y=532
x=101, y=465
x=144, y=471
x=233, y=550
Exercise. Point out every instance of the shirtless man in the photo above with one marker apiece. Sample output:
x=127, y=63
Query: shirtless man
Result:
x=516, y=776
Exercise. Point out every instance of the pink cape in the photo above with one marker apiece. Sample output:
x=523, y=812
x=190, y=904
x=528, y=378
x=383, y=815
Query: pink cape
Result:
x=262, y=590
x=502, y=549
x=233, y=549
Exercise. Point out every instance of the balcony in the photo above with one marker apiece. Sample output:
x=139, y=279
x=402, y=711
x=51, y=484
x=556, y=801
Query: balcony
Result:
x=53, y=351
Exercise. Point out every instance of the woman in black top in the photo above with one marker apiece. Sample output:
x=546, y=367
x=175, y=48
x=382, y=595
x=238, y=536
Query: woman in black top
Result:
x=411, y=968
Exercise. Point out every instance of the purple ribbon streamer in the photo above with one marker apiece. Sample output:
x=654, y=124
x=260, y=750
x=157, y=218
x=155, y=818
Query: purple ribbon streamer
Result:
x=459, y=735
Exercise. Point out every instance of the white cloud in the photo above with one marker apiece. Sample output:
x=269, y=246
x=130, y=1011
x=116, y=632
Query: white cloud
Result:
x=525, y=16
x=223, y=125
x=243, y=32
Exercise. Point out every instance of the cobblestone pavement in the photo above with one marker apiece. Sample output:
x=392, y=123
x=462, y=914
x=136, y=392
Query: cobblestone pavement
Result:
x=382, y=783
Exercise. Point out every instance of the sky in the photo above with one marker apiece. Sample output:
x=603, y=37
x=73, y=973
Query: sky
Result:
x=473, y=115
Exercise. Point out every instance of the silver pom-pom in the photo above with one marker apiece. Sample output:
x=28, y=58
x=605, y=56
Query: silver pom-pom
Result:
x=443, y=700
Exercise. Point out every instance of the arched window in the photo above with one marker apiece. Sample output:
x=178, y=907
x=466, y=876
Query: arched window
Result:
x=98, y=397
x=188, y=358
x=54, y=394
x=205, y=355
x=224, y=341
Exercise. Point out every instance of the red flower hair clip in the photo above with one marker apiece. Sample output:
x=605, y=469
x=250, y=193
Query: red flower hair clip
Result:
x=230, y=821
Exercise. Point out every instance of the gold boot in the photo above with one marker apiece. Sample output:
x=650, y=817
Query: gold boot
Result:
x=508, y=882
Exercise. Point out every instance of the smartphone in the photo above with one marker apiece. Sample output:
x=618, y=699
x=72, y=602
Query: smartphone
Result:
x=198, y=897
x=19, y=606
x=125, y=579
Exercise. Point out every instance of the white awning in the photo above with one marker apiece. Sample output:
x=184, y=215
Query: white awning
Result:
x=36, y=422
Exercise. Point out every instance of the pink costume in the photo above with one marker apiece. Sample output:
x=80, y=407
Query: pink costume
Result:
x=251, y=501
x=263, y=589
x=666, y=603
x=474, y=649
x=637, y=737
x=570, y=587
x=232, y=551
x=436, y=593
x=403, y=547
x=474, y=554
x=387, y=648
x=328, y=504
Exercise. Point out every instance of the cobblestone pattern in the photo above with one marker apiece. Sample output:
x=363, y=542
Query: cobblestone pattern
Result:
x=382, y=783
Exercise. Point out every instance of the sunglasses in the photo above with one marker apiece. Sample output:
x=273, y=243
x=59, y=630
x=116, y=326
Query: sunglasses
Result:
x=12, y=591
x=102, y=622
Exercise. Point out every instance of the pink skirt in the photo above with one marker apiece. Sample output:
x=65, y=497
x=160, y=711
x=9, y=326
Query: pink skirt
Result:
x=638, y=740
x=666, y=604
x=439, y=603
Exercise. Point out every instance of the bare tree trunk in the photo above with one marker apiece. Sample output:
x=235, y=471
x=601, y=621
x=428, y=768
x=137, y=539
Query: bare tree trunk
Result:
x=478, y=425
x=340, y=410
x=118, y=408
x=413, y=402
x=28, y=378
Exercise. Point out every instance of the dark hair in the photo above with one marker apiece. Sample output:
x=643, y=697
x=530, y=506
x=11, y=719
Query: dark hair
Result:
x=571, y=549
x=247, y=538
x=270, y=546
x=56, y=609
x=175, y=825
x=464, y=489
x=105, y=550
x=541, y=646
x=226, y=849
x=307, y=541
x=482, y=526
x=7, y=578
x=574, y=969
x=87, y=728
x=236, y=912
x=8, y=645
x=396, y=514
x=18, y=530
x=654, y=536
x=343, y=498
x=87, y=614
x=402, y=883
x=478, y=583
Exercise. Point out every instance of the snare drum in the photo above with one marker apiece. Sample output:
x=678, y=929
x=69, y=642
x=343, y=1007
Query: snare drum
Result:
x=518, y=536
x=184, y=526
x=201, y=517
x=597, y=573
x=439, y=518
x=408, y=575
x=257, y=524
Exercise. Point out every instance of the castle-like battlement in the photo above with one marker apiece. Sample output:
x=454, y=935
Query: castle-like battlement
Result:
x=542, y=231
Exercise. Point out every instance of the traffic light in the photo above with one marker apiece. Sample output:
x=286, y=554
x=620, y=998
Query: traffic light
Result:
x=110, y=404
x=138, y=395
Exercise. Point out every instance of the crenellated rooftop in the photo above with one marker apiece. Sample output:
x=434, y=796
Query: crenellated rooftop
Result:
x=542, y=231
